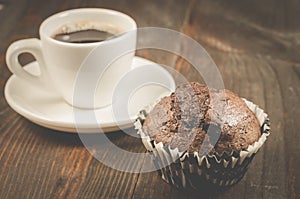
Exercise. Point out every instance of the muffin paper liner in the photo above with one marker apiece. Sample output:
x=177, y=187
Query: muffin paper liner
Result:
x=186, y=170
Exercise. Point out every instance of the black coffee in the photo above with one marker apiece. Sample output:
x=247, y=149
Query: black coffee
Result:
x=84, y=36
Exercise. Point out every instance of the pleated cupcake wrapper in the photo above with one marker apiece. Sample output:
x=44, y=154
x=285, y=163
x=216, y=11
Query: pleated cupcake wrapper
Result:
x=184, y=169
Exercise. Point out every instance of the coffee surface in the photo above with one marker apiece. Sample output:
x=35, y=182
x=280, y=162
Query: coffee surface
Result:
x=84, y=36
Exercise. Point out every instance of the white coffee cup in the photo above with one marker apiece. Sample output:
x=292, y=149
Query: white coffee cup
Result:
x=99, y=65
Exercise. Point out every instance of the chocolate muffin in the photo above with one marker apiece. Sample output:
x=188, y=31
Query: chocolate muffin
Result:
x=202, y=134
x=198, y=119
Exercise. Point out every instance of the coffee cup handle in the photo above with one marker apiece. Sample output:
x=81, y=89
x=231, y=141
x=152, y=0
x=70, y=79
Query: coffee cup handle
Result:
x=32, y=46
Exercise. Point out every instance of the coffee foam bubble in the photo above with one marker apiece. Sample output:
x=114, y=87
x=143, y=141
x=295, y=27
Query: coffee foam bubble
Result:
x=87, y=25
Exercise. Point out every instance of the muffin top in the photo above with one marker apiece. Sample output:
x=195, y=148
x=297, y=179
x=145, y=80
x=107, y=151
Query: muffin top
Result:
x=196, y=118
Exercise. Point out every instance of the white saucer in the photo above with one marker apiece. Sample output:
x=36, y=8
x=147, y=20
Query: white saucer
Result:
x=48, y=109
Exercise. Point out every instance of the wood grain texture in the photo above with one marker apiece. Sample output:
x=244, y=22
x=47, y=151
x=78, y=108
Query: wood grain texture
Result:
x=256, y=47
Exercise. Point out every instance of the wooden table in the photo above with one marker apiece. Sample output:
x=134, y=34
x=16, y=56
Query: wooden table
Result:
x=256, y=45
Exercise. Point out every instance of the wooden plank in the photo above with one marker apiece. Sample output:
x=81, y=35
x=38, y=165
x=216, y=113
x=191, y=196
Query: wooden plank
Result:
x=246, y=28
x=49, y=164
x=288, y=76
